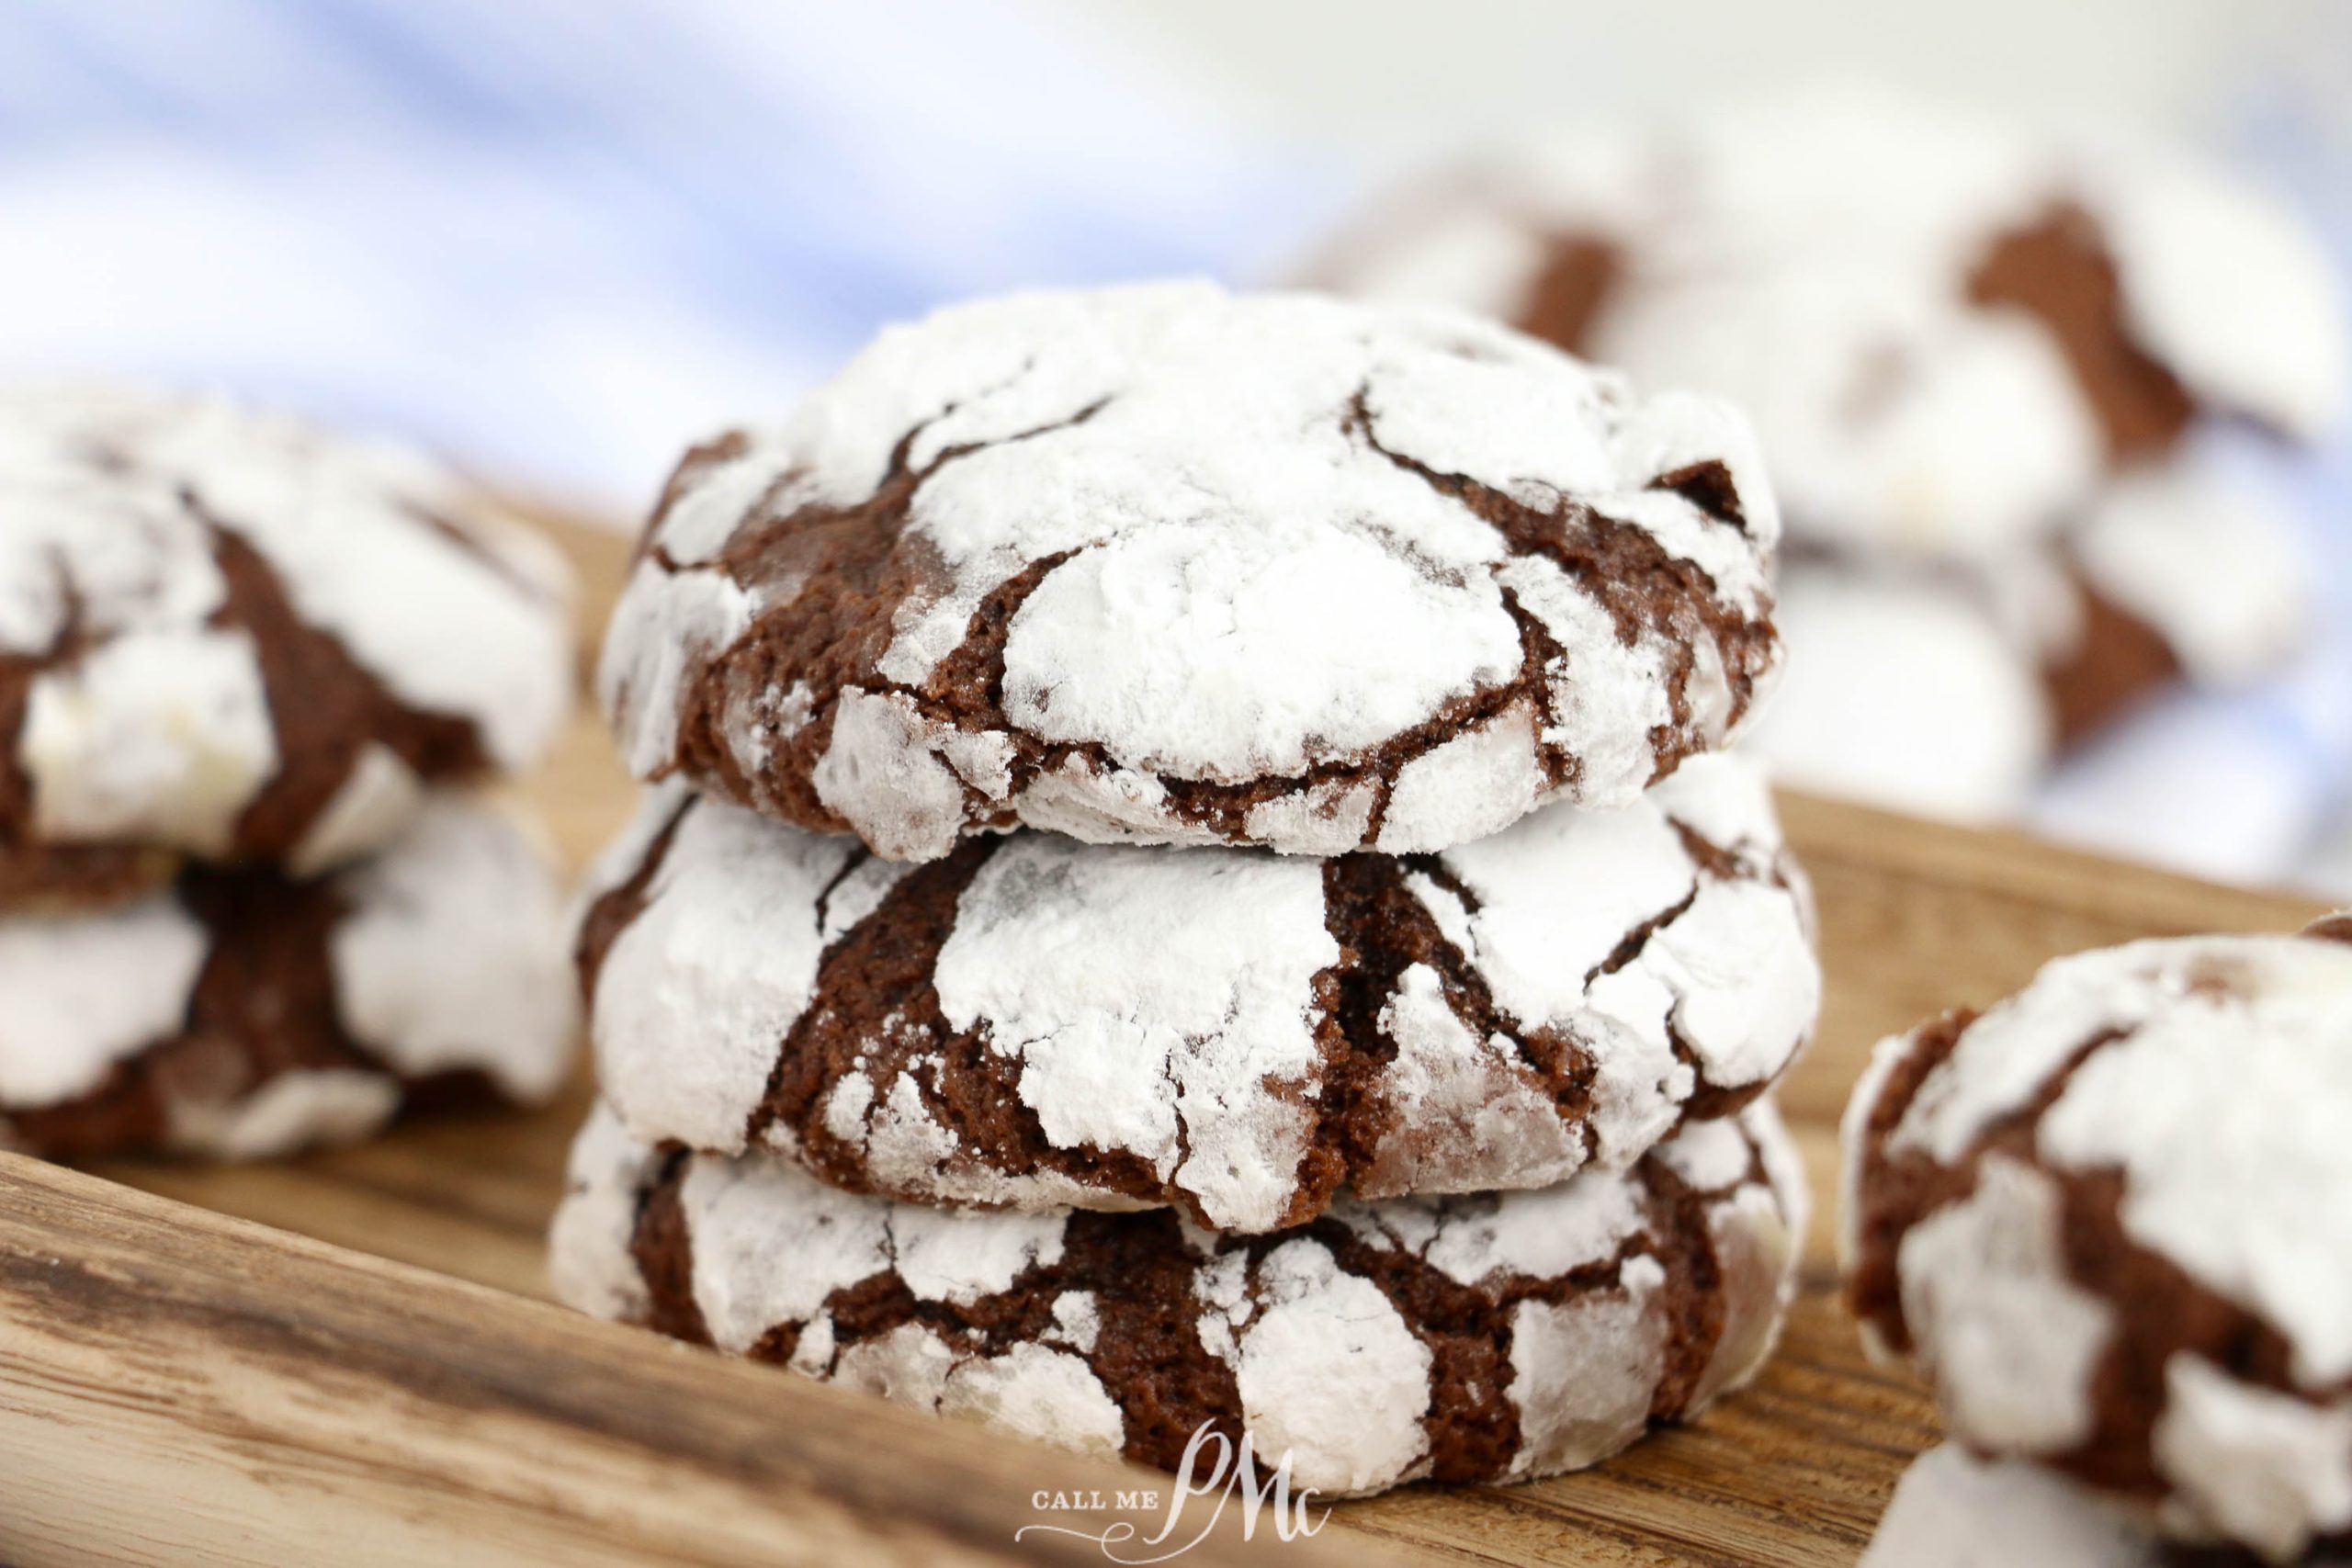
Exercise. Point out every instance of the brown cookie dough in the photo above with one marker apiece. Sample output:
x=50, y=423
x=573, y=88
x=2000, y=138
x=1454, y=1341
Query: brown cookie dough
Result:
x=1165, y=565
x=227, y=635
x=1035, y=1022
x=2332, y=928
x=1476, y=1338
x=242, y=1014
x=2111, y=1219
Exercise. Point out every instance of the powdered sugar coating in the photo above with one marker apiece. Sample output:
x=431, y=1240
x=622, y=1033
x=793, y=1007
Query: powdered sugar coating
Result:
x=2181, y=1100
x=1807, y=345
x=2229, y=287
x=1722, y=992
x=2251, y=1465
x=156, y=725
x=588, y=1241
x=1172, y=1026
x=2216, y=569
x=308, y=1108
x=695, y=995
x=1954, y=1510
x=84, y=992
x=441, y=955
x=1906, y=693
x=1227, y=544
x=2014, y=1343
x=154, y=738
x=450, y=954
x=1147, y=1010
x=1301, y=1342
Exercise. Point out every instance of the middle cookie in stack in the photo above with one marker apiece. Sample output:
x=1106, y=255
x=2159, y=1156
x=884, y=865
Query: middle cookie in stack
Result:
x=1442, y=1155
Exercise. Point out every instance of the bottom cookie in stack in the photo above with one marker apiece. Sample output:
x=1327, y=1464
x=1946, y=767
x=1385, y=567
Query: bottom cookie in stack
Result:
x=1484, y=1337
x=240, y=1013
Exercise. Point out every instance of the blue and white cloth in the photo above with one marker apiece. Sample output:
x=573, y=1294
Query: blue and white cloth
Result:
x=560, y=238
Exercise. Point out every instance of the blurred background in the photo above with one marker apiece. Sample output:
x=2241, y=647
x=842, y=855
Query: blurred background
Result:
x=561, y=238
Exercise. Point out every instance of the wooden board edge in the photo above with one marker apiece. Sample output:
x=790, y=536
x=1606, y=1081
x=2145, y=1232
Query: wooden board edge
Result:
x=170, y=1375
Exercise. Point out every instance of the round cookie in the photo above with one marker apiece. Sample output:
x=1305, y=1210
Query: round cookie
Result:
x=1945, y=329
x=2109, y=1218
x=1954, y=1510
x=1477, y=1339
x=1165, y=565
x=2195, y=562
x=1905, y=689
x=1035, y=1022
x=226, y=635
x=242, y=1014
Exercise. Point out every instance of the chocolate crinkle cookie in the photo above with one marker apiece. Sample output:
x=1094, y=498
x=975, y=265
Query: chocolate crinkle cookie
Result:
x=242, y=1013
x=2111, y=1219
x=1034, y=1023
x=2336, y=927
x=1946, y=328
x=1475, y=1338
x=227, y=635
x=2018, y=362
x=1164, y=565
x=1953, y=1509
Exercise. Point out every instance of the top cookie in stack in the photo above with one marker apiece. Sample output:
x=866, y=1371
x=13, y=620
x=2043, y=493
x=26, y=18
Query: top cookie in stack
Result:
x=1296, y=921
x=243, y=666
x=1162, y=566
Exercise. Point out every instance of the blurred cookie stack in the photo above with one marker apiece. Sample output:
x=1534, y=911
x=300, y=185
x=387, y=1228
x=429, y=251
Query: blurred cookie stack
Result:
x=2004, y=381
x=1195, y=886
x=248, y=673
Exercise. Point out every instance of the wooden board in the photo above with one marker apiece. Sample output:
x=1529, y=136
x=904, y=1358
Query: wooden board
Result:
x=375, y=1376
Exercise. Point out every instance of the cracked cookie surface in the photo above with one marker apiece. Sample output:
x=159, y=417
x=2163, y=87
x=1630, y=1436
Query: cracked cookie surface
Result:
x=224, y=635
x=2112, y=1218
x=240, y=1013
x=1476, y=1339
x=1034, y=1023
x=1165, y=565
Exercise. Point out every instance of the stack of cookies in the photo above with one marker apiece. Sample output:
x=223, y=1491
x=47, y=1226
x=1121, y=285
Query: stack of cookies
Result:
x=1193, y=886
x=2004, y=378
x=2110, y=1218
x=246, y=671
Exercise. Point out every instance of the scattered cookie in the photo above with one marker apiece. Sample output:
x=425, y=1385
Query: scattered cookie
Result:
x=1953, y=1510
x=1945, y=328
x=2179, y=572
x=1035, y=1022
x=2111, y=1219
x=1964, y=345
x=242, y=1014
x=1907, y=690
x=1477, y=1339
x=1165, y=565
x=225, y=635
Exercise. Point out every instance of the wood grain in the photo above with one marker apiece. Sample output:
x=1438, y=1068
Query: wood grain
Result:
x=179, y=1387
